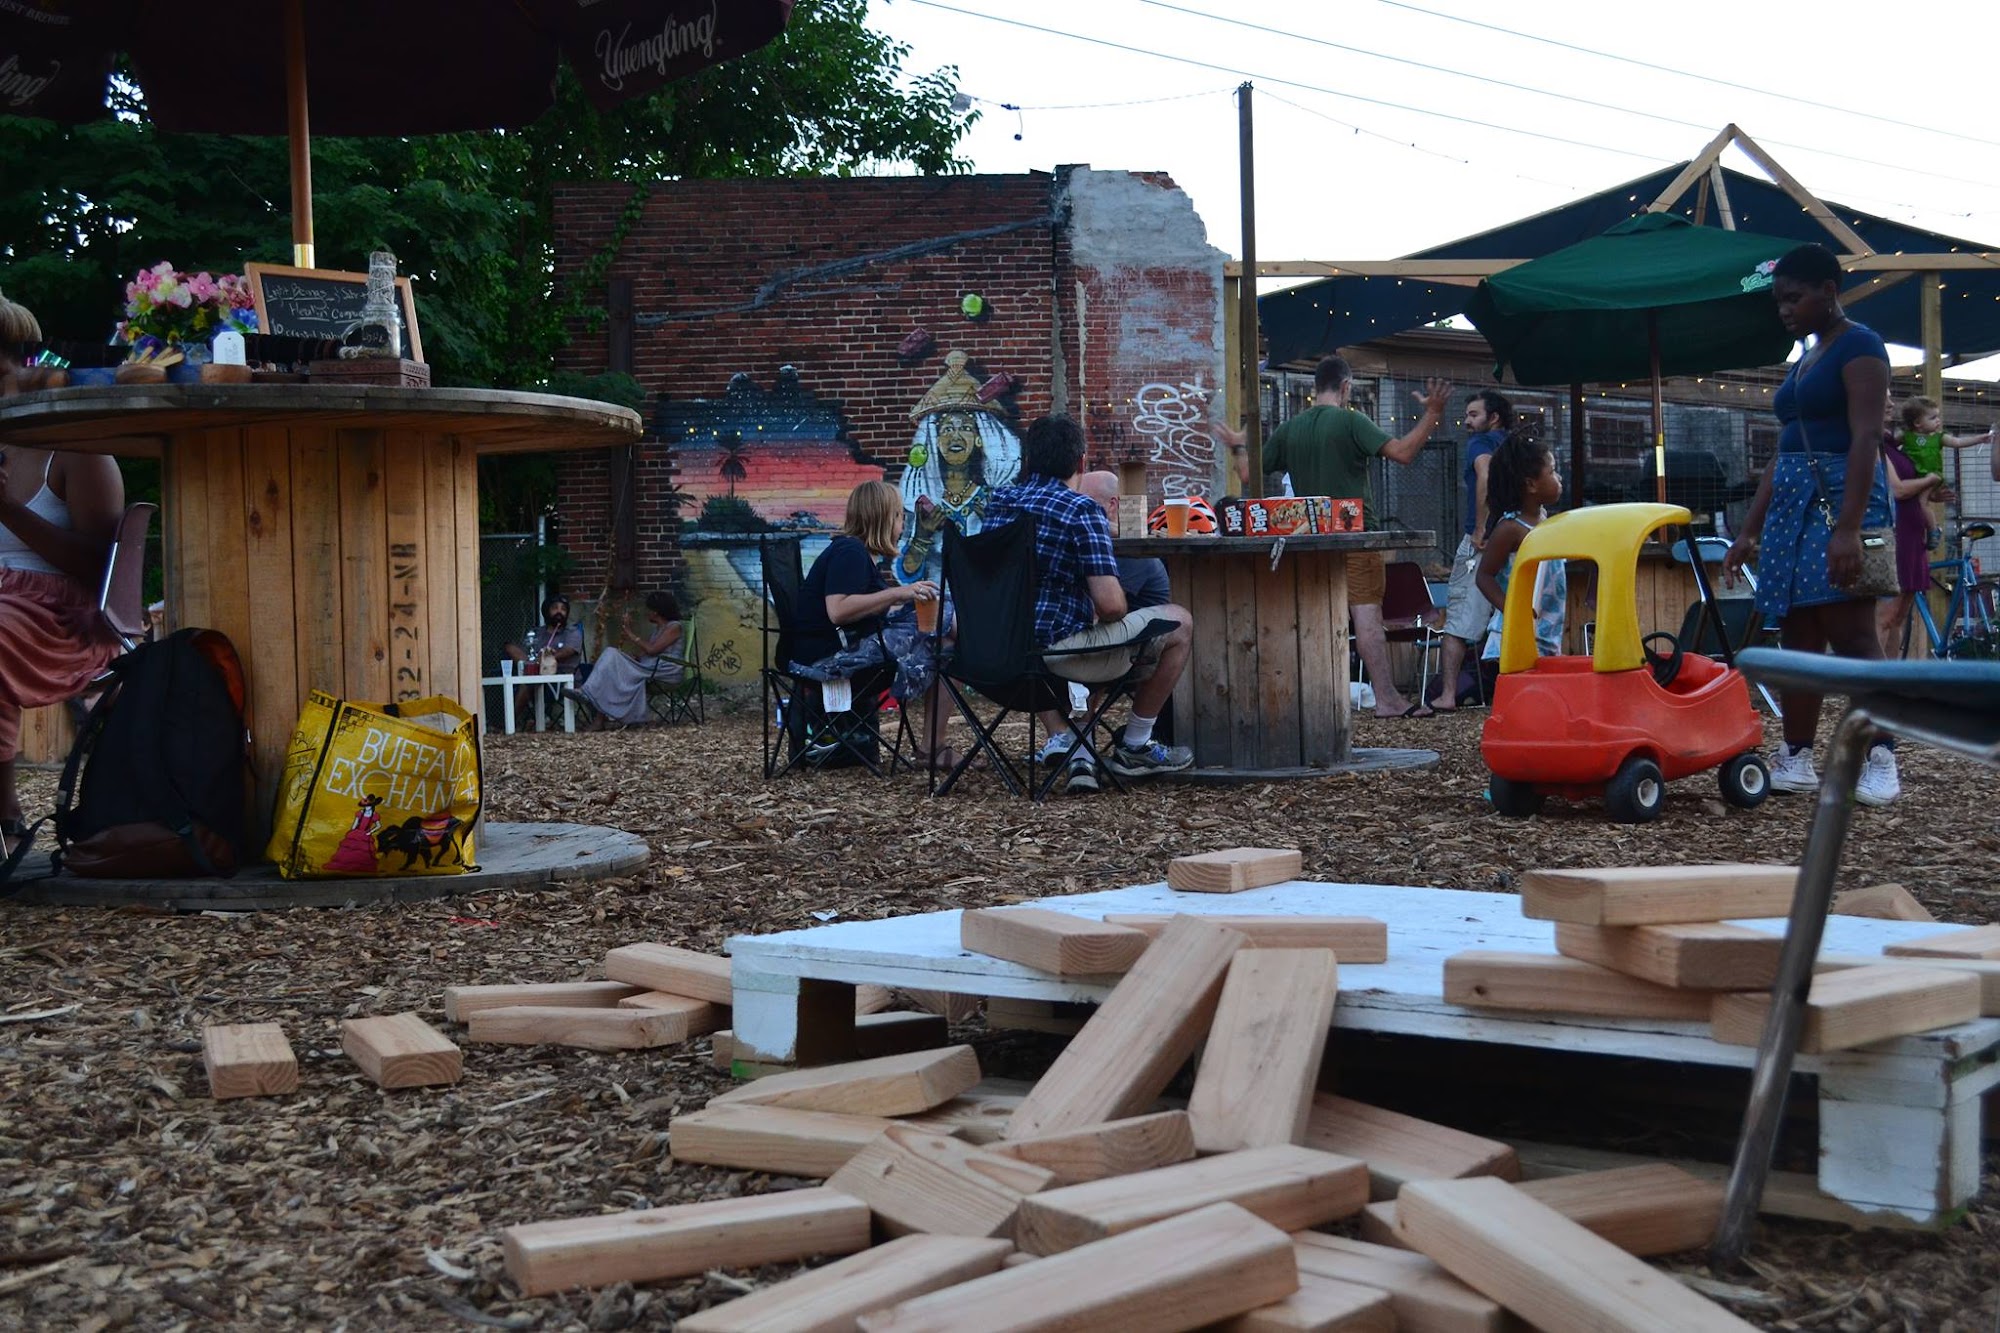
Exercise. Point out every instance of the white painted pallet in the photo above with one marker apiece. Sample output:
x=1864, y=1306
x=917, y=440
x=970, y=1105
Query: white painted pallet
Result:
x=1899, y=1120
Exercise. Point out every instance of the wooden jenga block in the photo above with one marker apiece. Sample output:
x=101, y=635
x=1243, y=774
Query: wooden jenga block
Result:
x=1019, y=1257
x=1182, y=1273
x=1353, y=939
x=1288, y=1186
x=1884, y=902
x=1400, y=1148
x=877, y=1035
x=1708, y=955
x=830, y=1299
x=917, y=1181
x=1255, y=1084
x=1973, y=943
x=461, y=1002
x=1544, y=1267
x=1552, y=984
x=595, y=1029
x=400, y=1051
x=1854, y=1006
x=1424, y=1297
x=721, y=1049
x=979, y=1116
x=887, y=1086
x=1140, y=1036
x=1320, y=1305
x=699, y=976
x=1233, y=870
x=1658, y=895
x=655, y=1243
x=1056, y=942
x=1004, y=1011
x=659, y=999
x=948, y=1005
x=1643, y=1210
x=772, y=1139
x=1115, y=1148
x=873, y=999
x=248, y=1060
x=1987, y=970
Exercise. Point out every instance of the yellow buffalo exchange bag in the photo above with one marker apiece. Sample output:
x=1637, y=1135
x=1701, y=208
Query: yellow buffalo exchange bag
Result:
x=377, y=789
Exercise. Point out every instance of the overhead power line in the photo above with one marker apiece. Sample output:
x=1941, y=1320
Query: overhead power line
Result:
x=1688, y=74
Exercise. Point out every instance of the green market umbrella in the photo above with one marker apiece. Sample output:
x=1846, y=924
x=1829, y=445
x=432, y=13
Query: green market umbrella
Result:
x=1655, y=295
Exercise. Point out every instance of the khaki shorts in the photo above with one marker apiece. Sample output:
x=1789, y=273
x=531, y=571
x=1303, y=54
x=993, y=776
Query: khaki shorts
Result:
x=1365, y=580
x=1115, y=638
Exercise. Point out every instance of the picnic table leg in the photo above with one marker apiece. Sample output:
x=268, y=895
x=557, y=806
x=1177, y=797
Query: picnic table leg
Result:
x=1920, y=1161
x=569, y=711
x=507, y=706
x=780, y=1020
x=1780, y=1044
x=541, y=709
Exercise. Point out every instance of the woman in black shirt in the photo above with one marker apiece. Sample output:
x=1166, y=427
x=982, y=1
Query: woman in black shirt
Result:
x=845, y=597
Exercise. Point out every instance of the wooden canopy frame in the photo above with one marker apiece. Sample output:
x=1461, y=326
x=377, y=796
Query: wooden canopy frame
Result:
x=1876, y=271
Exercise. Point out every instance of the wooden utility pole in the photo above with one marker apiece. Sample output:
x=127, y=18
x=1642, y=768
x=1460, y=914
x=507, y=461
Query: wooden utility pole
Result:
x=1246, y=301
x=624, y=571
x=1930, y=316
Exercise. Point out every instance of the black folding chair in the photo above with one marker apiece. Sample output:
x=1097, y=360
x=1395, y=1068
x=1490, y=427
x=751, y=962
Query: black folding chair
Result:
x=1952, y=705
x=797, y=726
x=993, y=578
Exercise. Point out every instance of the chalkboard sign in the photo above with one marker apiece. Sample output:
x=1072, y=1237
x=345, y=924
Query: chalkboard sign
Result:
x=322, y=303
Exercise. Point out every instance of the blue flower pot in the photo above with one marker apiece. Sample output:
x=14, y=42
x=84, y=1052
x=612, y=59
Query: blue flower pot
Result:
x=96, y=377
x=183, y=373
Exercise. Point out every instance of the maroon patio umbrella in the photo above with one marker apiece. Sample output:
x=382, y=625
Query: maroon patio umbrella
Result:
x=372, y=66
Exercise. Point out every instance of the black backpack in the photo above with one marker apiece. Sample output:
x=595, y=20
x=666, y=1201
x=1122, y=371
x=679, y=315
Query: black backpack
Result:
x=162, y=758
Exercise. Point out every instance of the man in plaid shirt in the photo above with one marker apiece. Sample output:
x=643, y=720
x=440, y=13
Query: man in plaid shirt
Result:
x=1080, y=603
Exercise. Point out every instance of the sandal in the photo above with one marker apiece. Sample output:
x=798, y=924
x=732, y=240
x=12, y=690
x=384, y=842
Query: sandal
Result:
x=1415, y=712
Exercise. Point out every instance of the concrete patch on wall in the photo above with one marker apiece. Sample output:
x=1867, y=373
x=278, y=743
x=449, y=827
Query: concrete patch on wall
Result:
x=1124, y=219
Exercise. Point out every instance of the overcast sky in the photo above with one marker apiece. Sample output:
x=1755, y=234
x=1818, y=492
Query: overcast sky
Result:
x=1890, y=109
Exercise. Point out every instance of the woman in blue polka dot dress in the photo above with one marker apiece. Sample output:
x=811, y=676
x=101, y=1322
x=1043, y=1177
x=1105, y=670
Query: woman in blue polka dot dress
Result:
x=1806, y=520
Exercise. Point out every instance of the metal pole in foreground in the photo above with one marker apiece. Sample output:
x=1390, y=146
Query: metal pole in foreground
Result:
x=1775, y=1053
x=1246, y=298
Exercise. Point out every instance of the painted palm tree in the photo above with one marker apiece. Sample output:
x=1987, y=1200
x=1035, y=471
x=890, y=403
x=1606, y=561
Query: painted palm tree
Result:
x=734, y=468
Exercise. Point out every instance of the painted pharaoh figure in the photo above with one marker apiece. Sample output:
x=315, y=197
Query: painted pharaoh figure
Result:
x=963, y=449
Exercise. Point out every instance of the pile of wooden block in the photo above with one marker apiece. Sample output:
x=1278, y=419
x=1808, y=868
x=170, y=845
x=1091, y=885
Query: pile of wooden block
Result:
x=1656, y=943
x=395, y=1050
x=1082, y=1201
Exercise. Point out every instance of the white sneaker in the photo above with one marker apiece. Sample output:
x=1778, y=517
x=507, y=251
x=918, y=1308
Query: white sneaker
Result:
x=1794, y=772
x=1055, y=748
x=1878, y=783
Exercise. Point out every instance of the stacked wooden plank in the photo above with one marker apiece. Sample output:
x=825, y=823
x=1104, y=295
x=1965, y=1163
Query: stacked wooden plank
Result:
x=1656, y=943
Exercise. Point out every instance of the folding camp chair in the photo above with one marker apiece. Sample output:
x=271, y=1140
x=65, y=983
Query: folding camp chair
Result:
x=677, y=698
x=995, y=655
x=1407, y=610
x=798, y=727
x=1954, y=706
x=1721, y=627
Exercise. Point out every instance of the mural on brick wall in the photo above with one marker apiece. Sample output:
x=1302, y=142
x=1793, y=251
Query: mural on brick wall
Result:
x=963, y=448
x=753, y=461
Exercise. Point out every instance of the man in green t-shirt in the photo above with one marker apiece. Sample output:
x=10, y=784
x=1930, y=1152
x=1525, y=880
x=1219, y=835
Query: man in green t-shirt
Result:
x=1327, y=449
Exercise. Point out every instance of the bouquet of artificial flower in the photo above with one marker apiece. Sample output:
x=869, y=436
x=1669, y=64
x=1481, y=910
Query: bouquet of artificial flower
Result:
x=177, y=307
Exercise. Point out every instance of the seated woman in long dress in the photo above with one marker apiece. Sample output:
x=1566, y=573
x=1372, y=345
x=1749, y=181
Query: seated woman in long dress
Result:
x=616, y=688
x=58, y=513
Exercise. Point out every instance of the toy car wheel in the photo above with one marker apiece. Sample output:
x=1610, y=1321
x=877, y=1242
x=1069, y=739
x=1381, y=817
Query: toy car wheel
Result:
x=1745, y=781
x=1516, y=800
x=1637, y=793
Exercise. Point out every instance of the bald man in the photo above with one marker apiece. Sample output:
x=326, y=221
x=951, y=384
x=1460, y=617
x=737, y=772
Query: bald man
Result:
x=1144, y=581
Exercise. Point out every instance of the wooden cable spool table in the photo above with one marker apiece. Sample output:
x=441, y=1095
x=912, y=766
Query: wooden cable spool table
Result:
x=332, y=532
x=1265, y=691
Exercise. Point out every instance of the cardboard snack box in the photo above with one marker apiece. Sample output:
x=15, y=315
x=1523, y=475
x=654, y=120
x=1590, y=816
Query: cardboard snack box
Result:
x=1281, y=515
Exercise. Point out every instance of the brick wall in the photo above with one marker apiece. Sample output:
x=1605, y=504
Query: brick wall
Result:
x=770, y=321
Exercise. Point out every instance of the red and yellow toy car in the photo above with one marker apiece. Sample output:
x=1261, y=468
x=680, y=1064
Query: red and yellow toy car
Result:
x=1633, y=717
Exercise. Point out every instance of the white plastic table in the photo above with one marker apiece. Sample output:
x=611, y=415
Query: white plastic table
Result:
x=1899, y=1120
x=508, y=684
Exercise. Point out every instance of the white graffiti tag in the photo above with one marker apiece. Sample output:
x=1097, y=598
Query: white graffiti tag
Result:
x=1174, y=418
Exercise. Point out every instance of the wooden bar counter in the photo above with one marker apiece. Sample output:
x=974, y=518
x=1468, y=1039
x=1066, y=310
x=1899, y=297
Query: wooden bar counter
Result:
x=332, y=532
x=1265, y=691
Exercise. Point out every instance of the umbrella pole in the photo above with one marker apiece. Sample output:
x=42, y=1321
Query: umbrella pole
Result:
x=300, y=132
x=1659, y=410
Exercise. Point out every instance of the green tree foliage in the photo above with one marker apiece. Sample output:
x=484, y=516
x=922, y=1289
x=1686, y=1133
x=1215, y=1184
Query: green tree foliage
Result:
x=470, y=216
